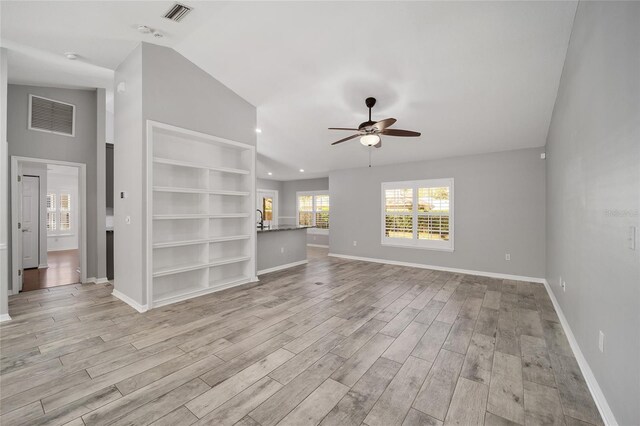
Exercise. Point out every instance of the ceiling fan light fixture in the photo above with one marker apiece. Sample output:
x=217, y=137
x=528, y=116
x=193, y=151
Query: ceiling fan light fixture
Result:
x=369, y=140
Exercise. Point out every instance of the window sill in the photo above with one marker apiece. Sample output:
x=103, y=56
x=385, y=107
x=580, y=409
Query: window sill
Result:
x=419, y=247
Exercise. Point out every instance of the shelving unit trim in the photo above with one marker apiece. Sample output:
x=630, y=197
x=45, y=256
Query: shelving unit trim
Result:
x=215, y=274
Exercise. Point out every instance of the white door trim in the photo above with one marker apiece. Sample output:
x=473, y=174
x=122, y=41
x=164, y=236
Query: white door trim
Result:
x=16, y=202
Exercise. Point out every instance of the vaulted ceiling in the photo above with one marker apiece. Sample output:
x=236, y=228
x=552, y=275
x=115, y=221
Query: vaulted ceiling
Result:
x=473, y=77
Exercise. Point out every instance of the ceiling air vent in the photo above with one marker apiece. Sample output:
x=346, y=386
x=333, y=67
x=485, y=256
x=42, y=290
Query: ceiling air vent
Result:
x=177, y=12
x=48, y=115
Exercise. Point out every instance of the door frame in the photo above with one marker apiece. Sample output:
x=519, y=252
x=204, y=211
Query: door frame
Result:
x=275, y=203
x=16, y=207
x=38, y=215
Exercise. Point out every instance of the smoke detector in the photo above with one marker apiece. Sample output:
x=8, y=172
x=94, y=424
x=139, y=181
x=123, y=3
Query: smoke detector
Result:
x=177, y=12
x=144, y=29
x=70, y=55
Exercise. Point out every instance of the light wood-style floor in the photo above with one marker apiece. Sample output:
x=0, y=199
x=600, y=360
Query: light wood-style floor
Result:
x=334, y=342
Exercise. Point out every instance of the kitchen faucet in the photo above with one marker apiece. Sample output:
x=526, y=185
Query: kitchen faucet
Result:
x=261, y=218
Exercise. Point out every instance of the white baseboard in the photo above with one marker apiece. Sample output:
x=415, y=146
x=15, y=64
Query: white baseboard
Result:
x=43, y=266
x=101, y=280
x=129, y=301
x=318, y=245
x=590, y=378
x=281, y=267
x=5, y=317
x=441, y=268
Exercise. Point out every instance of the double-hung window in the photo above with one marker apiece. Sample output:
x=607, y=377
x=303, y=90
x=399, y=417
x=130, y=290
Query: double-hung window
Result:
x=418, y=214
x=313, y=210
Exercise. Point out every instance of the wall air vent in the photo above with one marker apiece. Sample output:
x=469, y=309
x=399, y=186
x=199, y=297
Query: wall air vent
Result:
x=177, y=12
x=48, y=115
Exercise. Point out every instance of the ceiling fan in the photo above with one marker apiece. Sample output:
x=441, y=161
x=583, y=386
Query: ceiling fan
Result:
x=369, y=132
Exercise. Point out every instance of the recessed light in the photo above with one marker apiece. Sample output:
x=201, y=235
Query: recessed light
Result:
x=270, y=174
x=70, y=55
x=301, y=170
x=258, y=130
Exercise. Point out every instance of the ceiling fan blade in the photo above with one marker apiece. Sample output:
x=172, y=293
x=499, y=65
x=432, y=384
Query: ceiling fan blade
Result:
x=398, y=132
x=383, y=124
x=342, y=128
x=346, y=139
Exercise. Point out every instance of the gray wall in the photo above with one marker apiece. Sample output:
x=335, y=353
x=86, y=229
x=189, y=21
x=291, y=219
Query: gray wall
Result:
x=5, y=271
x=288, y=203
x=593, y=197
x=164, y=86
x=270, y=244
x=129, y=173
x=499, y=208
x=80, y=149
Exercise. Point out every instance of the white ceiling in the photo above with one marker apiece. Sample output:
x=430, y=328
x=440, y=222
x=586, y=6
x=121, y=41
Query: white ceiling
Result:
x=473, y=77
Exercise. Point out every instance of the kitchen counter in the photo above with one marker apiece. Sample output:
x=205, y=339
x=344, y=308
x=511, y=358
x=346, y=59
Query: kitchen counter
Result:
x=282, y=228
x=281, y=247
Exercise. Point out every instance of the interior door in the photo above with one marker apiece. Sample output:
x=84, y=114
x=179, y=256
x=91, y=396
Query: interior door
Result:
x=30, y=221
x=267, y=204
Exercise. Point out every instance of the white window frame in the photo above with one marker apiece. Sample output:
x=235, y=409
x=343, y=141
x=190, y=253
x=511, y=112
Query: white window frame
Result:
x=415, y=242
x=313, y=196
x=73, y=122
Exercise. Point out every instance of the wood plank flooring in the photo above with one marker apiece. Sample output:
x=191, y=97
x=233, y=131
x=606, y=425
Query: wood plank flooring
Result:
x=334, y=342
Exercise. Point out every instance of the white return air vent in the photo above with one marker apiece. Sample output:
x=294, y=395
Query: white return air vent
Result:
x=177, y=12
x=48, y=115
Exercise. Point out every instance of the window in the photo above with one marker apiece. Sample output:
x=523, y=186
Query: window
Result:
x=51, y=212
x=65, y=212
x=418, y=214
x=313, y=210
x=59, y=213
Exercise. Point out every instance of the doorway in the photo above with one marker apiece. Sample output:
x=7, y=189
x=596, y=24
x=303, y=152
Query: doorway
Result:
x=48, y=223
x=267, y=203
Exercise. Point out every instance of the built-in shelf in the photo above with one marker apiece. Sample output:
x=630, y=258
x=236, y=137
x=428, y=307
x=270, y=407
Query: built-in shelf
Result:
x=200, y=216
x=200, y=191
x=184, y=293
x=229, y=260
x=182, y=243
x=228, y=215
x=200, y=166
x=194, y=253
x=180, y=216
x=195, y=266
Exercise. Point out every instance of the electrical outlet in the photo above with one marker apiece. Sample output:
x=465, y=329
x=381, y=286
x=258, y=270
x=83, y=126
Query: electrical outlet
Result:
x=601, y=341
x=281, y=249
x=355, y=243
x=507, y=256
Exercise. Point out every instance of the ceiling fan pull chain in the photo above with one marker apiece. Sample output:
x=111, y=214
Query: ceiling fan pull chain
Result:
x=369, y=155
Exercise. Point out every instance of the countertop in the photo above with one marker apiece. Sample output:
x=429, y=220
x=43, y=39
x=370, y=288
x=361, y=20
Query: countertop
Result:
x=283, y=228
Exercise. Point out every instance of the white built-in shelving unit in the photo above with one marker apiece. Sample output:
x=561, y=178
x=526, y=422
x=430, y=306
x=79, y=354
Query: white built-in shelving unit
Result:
x=200, y=219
